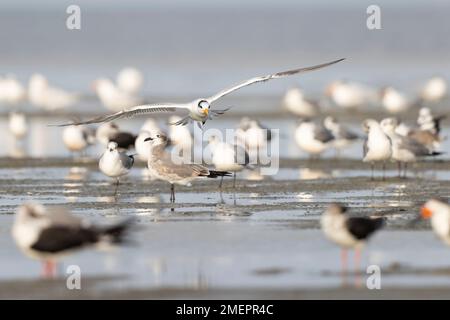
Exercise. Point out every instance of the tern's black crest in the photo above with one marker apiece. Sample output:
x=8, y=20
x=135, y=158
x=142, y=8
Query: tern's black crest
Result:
x=215, y=174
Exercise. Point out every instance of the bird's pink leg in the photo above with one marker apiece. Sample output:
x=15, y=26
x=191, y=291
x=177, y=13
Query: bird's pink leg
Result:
x=357, y=267
x=49, y=269
x=344, y=266
x=344, y=259
x=357, y=259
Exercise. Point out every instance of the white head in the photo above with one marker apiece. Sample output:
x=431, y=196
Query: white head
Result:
x=389, y=124
x=30, y=211
x=38, y=82
x=368, y=124
x=332, y=87
x=335, y=209
x=213, y=140
x=157, y=140
x=201, y=108
x=433, y=207
x=103, y=86
x=112, y=146
x=330, y=123
x=424, y=112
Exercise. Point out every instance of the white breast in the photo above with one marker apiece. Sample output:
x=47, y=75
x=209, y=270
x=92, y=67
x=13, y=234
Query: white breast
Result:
x=111, y=165
x=335, y=230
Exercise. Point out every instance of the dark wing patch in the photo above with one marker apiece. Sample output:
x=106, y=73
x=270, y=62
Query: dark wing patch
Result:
x=365, y=147
x=124, y=140
x=437, y=123
x=362, y=228
x=348, y=134
x=323, y=134
x=59, y=238
x=291, y=72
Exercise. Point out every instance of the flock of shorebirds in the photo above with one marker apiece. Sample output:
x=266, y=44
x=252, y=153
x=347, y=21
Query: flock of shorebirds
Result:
x=48, y=233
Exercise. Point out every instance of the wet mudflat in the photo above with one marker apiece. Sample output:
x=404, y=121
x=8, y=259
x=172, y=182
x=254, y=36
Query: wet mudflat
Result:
x=260, y=240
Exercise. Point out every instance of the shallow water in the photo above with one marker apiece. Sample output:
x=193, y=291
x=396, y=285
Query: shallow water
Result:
x=262, y=235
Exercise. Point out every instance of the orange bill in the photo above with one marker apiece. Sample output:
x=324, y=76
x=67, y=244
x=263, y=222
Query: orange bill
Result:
x=426, y=213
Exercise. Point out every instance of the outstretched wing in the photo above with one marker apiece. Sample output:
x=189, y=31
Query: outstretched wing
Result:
x=269, y=77
x=128, y=113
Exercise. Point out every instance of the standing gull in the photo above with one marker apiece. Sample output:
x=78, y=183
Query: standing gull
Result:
x=394, y=101
x=18, y=125
x=313, y=138
x=404, y=149
x=115, y=164
x=12, y=91
x=199, y=109
x=161, y=166
x=348, y=232
x=47, y=234
x=78, y=138
x=43, y=95
x=350, y=95
x=228, y=157
x=113, y=97
x=295, y=102
x=377, y=146
x=253, y=135
x=343, y=137
x=434, y=89
x=110, y=132
x=130, y=80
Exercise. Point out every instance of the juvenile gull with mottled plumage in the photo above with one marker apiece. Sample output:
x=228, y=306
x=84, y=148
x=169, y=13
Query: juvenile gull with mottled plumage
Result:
x=163, y=167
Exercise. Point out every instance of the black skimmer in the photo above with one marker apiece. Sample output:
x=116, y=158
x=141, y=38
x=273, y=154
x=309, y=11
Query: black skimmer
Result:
x=439, y=212
x=47, y=234
x=348, y=232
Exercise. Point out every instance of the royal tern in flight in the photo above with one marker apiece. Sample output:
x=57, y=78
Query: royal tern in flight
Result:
x=199, y=109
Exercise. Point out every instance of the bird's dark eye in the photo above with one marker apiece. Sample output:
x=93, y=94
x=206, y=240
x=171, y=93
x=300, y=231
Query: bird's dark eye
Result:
x=157, y=135
x=203, y=104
